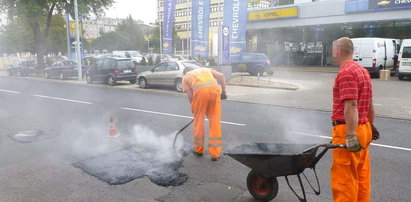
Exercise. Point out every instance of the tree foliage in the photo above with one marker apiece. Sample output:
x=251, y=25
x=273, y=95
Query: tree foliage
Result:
x=18, y=36
x=128, y=36
x=155, y=39
x=33, y=12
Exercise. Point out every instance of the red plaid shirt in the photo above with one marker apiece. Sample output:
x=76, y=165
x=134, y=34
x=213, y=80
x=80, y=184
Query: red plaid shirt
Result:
x=352, y=82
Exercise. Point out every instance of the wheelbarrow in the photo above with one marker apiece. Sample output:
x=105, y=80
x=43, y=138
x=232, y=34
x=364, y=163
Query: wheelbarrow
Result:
x=269, y=161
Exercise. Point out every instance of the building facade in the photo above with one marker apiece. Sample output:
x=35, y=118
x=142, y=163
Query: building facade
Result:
x=183, y=21
x=94, y=28
x=305, y=36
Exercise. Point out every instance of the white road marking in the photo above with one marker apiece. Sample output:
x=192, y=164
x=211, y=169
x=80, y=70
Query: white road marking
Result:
x=62, y=99
x=373, y=144
x=176, y=115
x=375, y=104
x=9, y=91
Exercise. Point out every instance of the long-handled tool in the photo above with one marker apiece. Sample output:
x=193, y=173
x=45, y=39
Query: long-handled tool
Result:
x=180, y=131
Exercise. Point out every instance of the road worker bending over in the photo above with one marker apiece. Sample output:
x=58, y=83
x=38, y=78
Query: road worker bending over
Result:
x=353, y=116
x=201, y=86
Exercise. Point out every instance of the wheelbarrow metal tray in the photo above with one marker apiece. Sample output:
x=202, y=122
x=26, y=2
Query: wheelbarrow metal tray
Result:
x=274, y=160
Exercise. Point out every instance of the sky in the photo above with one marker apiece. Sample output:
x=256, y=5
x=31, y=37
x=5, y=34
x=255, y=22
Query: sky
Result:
x=145, y=10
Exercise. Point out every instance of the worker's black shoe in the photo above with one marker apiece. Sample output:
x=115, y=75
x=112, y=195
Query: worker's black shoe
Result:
x=197, y=154
x=216, y=159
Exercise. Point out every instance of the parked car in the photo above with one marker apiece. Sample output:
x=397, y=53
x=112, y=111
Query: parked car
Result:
x=166, y=74
x=87, y=62
x=134, y=55
x=253, y=63
x=22, y=68
x=404, y=69
x=111, y=70
x=375, y=54
x=62, y=70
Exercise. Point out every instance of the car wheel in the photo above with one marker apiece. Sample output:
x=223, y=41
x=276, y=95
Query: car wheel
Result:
x=259, y=70
x=143, y=82
x=134, y=81
x=178, y=85
x=400, y=77
x=46, y=75
x=89, y=80
x=111, y=81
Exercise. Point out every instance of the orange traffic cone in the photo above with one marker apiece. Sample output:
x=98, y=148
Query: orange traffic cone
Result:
x=113, y=130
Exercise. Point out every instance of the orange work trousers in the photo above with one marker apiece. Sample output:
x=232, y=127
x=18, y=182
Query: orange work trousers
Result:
x=351, y=171
x=207, y=101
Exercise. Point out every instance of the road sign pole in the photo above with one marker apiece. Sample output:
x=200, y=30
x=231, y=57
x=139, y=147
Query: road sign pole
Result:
x=78, y=54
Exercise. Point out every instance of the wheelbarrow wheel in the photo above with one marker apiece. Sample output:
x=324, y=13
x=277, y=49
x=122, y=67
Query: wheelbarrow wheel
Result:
x=262, y=188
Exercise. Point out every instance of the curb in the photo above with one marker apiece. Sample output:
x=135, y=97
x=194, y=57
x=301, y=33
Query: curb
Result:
x=134, y=89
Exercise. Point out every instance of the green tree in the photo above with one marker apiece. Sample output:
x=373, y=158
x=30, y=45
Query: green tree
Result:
x=33, y=11
x=155, y=38
x=127, y=36
x=18, y=37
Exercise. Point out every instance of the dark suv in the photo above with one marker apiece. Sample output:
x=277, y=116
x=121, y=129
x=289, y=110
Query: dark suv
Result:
x=112, y=69
x=252, y=63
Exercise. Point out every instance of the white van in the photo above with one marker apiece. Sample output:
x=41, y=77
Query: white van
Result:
x=404, y=59
x=375, y=54
x=134, y=55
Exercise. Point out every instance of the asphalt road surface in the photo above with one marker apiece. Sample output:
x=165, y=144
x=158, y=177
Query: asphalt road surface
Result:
x=79, y=117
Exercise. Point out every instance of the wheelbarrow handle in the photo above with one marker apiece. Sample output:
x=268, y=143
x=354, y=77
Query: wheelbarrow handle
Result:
x=335, y=146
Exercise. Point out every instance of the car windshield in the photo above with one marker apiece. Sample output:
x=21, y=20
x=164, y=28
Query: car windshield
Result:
x=135, y=54
x=193, y=64
x=406, y=52
x=124, y=63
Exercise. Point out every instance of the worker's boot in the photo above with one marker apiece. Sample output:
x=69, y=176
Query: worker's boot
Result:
x=197, y=154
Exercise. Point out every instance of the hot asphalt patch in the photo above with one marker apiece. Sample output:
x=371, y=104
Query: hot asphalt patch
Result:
x=123, y=166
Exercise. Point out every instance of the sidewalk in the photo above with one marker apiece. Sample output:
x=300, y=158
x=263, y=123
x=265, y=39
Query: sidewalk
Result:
x=327, y=69
x=314, y=92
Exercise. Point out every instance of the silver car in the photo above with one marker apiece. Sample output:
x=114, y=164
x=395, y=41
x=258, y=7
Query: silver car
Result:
x=166, y=74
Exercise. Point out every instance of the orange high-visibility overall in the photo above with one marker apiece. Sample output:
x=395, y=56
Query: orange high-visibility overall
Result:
x=351, y=171
x=206, y=101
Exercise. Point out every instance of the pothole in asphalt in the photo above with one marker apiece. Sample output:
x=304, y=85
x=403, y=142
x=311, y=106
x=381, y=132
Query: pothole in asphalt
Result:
x=31, y=136
x=123, y=166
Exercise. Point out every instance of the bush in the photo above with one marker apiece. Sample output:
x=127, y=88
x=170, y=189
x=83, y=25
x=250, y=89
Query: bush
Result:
x=150, y=61
x=143, y=61
x=270, y=71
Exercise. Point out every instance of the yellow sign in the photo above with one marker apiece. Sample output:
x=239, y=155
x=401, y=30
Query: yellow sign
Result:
x=273, y=14
x=73, y=29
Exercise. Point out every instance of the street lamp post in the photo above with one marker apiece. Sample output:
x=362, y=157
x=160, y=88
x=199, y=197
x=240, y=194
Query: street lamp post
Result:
x=78, y=54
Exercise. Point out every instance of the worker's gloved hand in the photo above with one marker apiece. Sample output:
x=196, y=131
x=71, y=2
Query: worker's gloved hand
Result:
x=352, y=143
x=223, y=96
x=375, y=133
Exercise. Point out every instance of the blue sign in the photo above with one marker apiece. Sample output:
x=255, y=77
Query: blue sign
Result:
x=352, y=6
x=235, y=17
x=168, y=26
x=200, y=21
x=225, y=45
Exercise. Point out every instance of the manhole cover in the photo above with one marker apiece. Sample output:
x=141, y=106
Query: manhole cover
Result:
x=31, y=136
x=126, y=165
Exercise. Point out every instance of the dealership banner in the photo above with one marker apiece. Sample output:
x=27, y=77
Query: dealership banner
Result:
x=271, y=14
x=200, y=23
x=352, y=6
x=235, y=18
x=168, y=25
